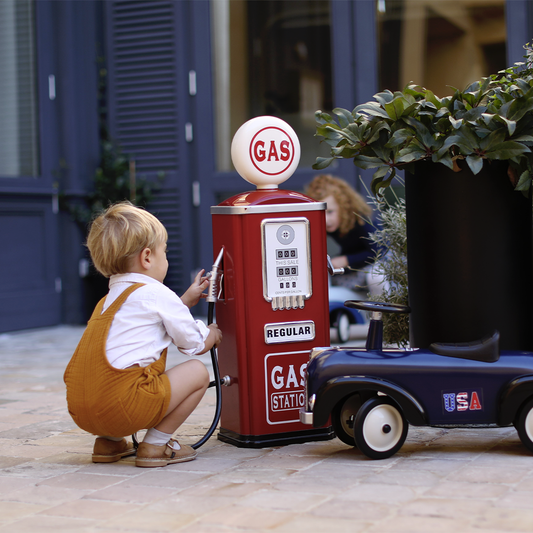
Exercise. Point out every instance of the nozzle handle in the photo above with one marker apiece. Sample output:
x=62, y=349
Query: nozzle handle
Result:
x=214, y=278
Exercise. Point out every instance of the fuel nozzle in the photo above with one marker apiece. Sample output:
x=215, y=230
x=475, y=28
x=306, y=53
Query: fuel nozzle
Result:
x=215, y=277
x=332, y=270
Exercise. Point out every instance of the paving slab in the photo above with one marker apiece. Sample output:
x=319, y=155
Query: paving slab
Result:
x=475, y=480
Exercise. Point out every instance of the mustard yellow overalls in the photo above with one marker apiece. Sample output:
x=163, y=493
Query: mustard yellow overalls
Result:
x=109, y=401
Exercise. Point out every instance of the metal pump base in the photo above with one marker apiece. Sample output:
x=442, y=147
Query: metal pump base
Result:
x=275, y=439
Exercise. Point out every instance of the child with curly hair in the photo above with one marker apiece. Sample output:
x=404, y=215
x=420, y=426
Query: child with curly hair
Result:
x=348, y=219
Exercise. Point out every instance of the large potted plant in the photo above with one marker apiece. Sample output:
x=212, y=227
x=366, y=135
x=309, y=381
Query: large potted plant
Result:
x=468, y=171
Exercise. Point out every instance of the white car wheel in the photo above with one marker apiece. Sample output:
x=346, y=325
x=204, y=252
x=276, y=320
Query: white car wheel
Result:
x=343, y=327
x=524, y=425
x=380, y=428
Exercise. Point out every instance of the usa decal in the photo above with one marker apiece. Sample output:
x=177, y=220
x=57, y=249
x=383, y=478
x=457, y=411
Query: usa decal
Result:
x=462, y=400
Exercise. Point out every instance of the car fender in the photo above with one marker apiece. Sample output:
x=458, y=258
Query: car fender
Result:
x=335, y=389
x=512, y=398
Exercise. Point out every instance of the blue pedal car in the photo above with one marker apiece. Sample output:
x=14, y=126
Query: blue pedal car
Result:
x=373, y=394
x=340, y=316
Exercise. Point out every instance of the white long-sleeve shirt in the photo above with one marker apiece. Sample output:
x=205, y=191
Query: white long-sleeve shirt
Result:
x=150, y=320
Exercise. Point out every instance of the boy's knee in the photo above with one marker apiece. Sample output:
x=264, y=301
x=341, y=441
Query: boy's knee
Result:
x=201, y=372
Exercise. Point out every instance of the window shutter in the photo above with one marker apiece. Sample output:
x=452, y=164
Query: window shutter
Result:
x=144, y=83
x=143, y=108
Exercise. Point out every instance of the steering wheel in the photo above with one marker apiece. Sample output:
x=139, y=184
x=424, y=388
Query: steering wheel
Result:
x=380, y=307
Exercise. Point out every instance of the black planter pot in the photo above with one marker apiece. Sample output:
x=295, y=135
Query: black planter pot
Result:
x=469, y=256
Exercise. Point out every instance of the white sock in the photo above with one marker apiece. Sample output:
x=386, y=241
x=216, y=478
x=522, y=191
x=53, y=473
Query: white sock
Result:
x=158, y=438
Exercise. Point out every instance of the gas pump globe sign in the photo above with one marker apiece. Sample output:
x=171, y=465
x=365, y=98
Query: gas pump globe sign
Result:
x=265, y=151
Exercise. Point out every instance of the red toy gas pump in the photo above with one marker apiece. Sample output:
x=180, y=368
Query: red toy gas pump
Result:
x=272, y=296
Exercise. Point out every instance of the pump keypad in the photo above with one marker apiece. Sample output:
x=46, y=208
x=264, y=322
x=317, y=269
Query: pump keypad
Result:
x=286, y=274
x=291, y=253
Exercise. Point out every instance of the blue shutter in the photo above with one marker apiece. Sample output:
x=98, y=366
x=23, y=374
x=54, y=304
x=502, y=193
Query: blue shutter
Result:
x=144, y=83
x=144, y=69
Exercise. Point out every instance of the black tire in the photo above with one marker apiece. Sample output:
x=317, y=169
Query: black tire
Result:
x=380, y=429
x=343, y=418
x=342, y=325
x=524, y=424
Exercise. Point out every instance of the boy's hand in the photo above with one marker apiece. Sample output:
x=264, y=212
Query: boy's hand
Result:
x=196, y=291
x=213, y=339
x=216, y=334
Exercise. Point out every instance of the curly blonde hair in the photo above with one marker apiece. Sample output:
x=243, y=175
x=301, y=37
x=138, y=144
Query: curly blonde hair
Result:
x=119, y=233
x=352, y=207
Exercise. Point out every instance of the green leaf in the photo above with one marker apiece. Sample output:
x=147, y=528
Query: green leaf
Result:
x=411, y=153
x=395, y=108
x=345, y=117
x=323, y=162
x=411, y=109
x=468, y=141
x=507, y=150
x=470, y=98
x=375, y=131
x=446, y=160
x=524, y=138
x=323, y=129
x=487, y=117
x=346, y=152
x=474, y=114
x=379, y=183
x=384, y=97
x=322, y=118
x=363, y=161
x=430, y=97
x=523, y=85
x=382, y=171
x=475, y=163
x=524, y=183
x=519, y=107
x=456, y=123
x=372, y=109
x=511, y=124
x=422, y=133
x=380, y=149
x=399, y=137
x=448, y=143
x=495, y=138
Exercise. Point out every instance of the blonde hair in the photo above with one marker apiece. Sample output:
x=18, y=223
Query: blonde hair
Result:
x=121, y=232
x=352, y=206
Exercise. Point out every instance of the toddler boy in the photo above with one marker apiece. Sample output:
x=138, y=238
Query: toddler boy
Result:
x=116, y=380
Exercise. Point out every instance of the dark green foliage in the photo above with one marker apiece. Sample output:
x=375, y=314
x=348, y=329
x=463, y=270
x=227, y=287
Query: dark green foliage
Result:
x=113, y=183
x=391, y=262
x=492, y=119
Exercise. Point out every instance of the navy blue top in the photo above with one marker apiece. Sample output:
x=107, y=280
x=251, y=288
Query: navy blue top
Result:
x=356, y=246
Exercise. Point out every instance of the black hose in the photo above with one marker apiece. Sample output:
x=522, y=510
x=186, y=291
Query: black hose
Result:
x=216, y=383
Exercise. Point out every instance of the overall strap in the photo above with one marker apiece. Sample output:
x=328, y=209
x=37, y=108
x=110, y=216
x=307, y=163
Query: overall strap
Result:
x=98, y=309
x=115, y=306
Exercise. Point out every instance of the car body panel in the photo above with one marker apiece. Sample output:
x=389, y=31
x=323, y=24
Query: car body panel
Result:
x=431, y=389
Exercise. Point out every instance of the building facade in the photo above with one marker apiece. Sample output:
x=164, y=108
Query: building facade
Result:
x=172, y=81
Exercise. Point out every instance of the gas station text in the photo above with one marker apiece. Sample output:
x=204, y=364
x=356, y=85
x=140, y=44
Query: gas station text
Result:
x=287, y=400
x=285, y=378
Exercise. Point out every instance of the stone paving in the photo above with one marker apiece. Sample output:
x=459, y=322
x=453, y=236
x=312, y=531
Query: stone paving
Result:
x=442, y=480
